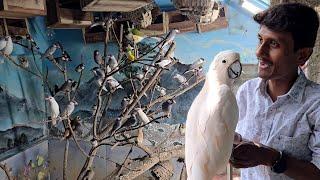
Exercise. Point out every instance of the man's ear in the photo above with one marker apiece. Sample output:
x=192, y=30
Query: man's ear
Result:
x=303, y=55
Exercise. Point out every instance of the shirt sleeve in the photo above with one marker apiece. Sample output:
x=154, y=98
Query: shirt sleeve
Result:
x=314, y=141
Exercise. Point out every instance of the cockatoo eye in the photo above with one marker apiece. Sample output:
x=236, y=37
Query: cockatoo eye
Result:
x=224, y=61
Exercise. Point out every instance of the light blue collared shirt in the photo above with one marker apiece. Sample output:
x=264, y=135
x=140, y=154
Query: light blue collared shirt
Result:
x=290, y=124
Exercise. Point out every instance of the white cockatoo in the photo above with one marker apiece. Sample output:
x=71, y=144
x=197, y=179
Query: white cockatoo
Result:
x=212, y=119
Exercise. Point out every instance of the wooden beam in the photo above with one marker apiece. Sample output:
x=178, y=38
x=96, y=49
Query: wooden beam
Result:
x=115, y=5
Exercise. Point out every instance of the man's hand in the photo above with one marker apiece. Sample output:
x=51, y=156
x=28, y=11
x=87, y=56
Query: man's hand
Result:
x=249, y=154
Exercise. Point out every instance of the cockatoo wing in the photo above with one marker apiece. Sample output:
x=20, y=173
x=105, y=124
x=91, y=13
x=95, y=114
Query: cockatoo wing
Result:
x=218, y=130
x=195, y=114
x=211, y=132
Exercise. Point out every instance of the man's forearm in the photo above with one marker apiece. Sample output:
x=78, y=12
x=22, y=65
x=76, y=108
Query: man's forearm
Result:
x=299, y=169
x=249, y=154
x=296, y=169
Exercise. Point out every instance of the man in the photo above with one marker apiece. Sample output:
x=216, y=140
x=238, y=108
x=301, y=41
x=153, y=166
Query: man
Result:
x=279, y=112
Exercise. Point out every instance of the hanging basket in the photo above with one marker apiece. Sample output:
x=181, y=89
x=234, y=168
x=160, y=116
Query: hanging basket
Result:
x=196, y=10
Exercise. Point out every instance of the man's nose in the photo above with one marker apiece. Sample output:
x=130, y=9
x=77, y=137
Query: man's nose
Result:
x=262, y=50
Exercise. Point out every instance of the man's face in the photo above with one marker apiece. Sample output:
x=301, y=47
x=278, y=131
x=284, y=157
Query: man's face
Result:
x=275, y=52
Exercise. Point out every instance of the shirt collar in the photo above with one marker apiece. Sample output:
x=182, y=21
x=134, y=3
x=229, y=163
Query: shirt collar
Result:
x=296, y=92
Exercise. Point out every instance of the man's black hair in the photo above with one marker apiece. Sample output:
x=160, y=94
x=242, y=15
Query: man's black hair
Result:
x=298, y=19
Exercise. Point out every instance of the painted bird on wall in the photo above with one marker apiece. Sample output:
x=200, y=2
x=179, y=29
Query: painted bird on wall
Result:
x=212, y=119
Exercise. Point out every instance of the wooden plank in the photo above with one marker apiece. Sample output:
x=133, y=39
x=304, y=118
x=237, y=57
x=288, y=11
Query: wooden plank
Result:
x=115, y=5
x=27, y=4
x=75, y=15
x=22, y=8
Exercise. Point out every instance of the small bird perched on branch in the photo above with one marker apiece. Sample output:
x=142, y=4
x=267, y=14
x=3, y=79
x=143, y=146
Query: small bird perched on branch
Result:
x=65, y=87
x=54, y=109
x=69, y=109
x=32, y=42
x=50, y=51
x=181, y=79
x=24, y=62
x=80, y=68
x=141, y=115
x=169, y=38
x=6, y=45
x=98, y=58
x=167, y=107
x=113, y=62
x=196, y=66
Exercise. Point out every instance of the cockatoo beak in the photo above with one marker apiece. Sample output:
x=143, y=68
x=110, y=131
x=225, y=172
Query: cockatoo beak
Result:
x=47, y=98
x=235, y=69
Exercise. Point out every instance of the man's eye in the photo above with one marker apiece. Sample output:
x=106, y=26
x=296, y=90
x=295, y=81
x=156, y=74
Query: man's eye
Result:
x=274, y=44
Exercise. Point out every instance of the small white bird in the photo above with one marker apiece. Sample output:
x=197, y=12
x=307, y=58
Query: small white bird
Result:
x=98, y=72
x=50, y=51
x=163, y=62
x=98, y=82
x=169, y=38
x=139, y=76
x=181, y=79
x=3, y=42
x=195, y=66
x=113, y=84
x=54, y=109
x=69, y=109
x=212, y=119
x=98, y=58
x=113, y=62
x=7, y=50
x=141, y=115
x=161, y=90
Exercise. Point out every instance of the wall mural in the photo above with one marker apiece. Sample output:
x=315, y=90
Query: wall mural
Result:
x=22, y=108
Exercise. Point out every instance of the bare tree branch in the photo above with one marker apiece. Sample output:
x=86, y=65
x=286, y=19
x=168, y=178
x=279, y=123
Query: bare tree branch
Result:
x=148, y=163
x=7, y=171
